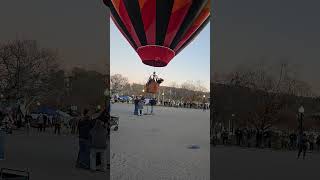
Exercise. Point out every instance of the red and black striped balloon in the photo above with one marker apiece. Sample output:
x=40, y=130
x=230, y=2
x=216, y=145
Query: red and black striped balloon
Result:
x=159, y=29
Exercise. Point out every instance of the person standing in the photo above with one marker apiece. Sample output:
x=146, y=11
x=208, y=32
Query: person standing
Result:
x=153, y=102
x=98, y=144
x=2, y=140
x=57, y=124
x=204, y=106
x=311, y=141
x=44, y=122
x=302, y=145
x=140, y=107
x=28, y=123
x=39, y=121
x=318, y=142
x=84, y=127
x=136, y=104
x=74, y=124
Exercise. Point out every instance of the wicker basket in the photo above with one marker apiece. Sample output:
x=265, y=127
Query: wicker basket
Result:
x=152, y=87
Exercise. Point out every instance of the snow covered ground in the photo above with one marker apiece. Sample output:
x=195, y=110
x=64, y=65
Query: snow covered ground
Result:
x=156, y=146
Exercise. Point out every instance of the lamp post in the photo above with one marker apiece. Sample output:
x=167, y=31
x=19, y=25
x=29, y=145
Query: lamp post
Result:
x=204, y=101
x=301, y=113
x=163, y=98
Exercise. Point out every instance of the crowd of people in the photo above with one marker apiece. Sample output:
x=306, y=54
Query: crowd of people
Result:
x=140, y=102
x=92, y=129
x=245, y=137
x=11, y=119
x=190, y=105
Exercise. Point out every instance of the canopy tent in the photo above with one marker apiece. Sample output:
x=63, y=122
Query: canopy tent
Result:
x=64, y=116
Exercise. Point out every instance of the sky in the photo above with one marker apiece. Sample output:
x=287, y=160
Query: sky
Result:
x=78, y=30
x=246, y=30
x=192, y=64
x=242, y=32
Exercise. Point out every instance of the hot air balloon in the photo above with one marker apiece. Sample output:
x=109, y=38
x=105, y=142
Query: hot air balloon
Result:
x=158, y=30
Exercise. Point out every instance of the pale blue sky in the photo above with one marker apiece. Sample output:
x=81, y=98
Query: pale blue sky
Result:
x=193, y=63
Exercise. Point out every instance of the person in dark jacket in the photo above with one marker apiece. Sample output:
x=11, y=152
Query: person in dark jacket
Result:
x=98, y=144
x=44, y=122
x=318, y=142
x=84, y=127
x=302, y=145
x=136, y=103
x=153, y=102
x=140, y=106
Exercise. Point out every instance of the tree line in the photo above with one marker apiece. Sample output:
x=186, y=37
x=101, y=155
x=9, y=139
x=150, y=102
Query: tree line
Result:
x=263, y=96
x=31, y=76
x=188, y=91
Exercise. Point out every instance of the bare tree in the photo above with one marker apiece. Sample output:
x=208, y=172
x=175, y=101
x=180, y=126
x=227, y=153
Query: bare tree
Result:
x=270, y=89
x=25, y=70
x=118, y=83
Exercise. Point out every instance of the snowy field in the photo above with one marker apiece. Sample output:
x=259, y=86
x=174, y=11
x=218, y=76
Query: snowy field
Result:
x=156, y=147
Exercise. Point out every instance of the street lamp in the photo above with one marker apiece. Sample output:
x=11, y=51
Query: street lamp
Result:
x=301, y=112
x=163, y=98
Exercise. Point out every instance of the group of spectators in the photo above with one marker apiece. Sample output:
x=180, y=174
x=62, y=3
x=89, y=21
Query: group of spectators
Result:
x=92, y=129
x=139, y=103
x=44, y=121
x=267, y=139
x=186, y=105
x=11, y=119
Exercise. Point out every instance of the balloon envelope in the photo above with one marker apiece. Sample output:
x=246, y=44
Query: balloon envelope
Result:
x=159, y=29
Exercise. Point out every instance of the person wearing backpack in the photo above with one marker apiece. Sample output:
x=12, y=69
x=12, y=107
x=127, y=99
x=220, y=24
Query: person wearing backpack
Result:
x=98, y=144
